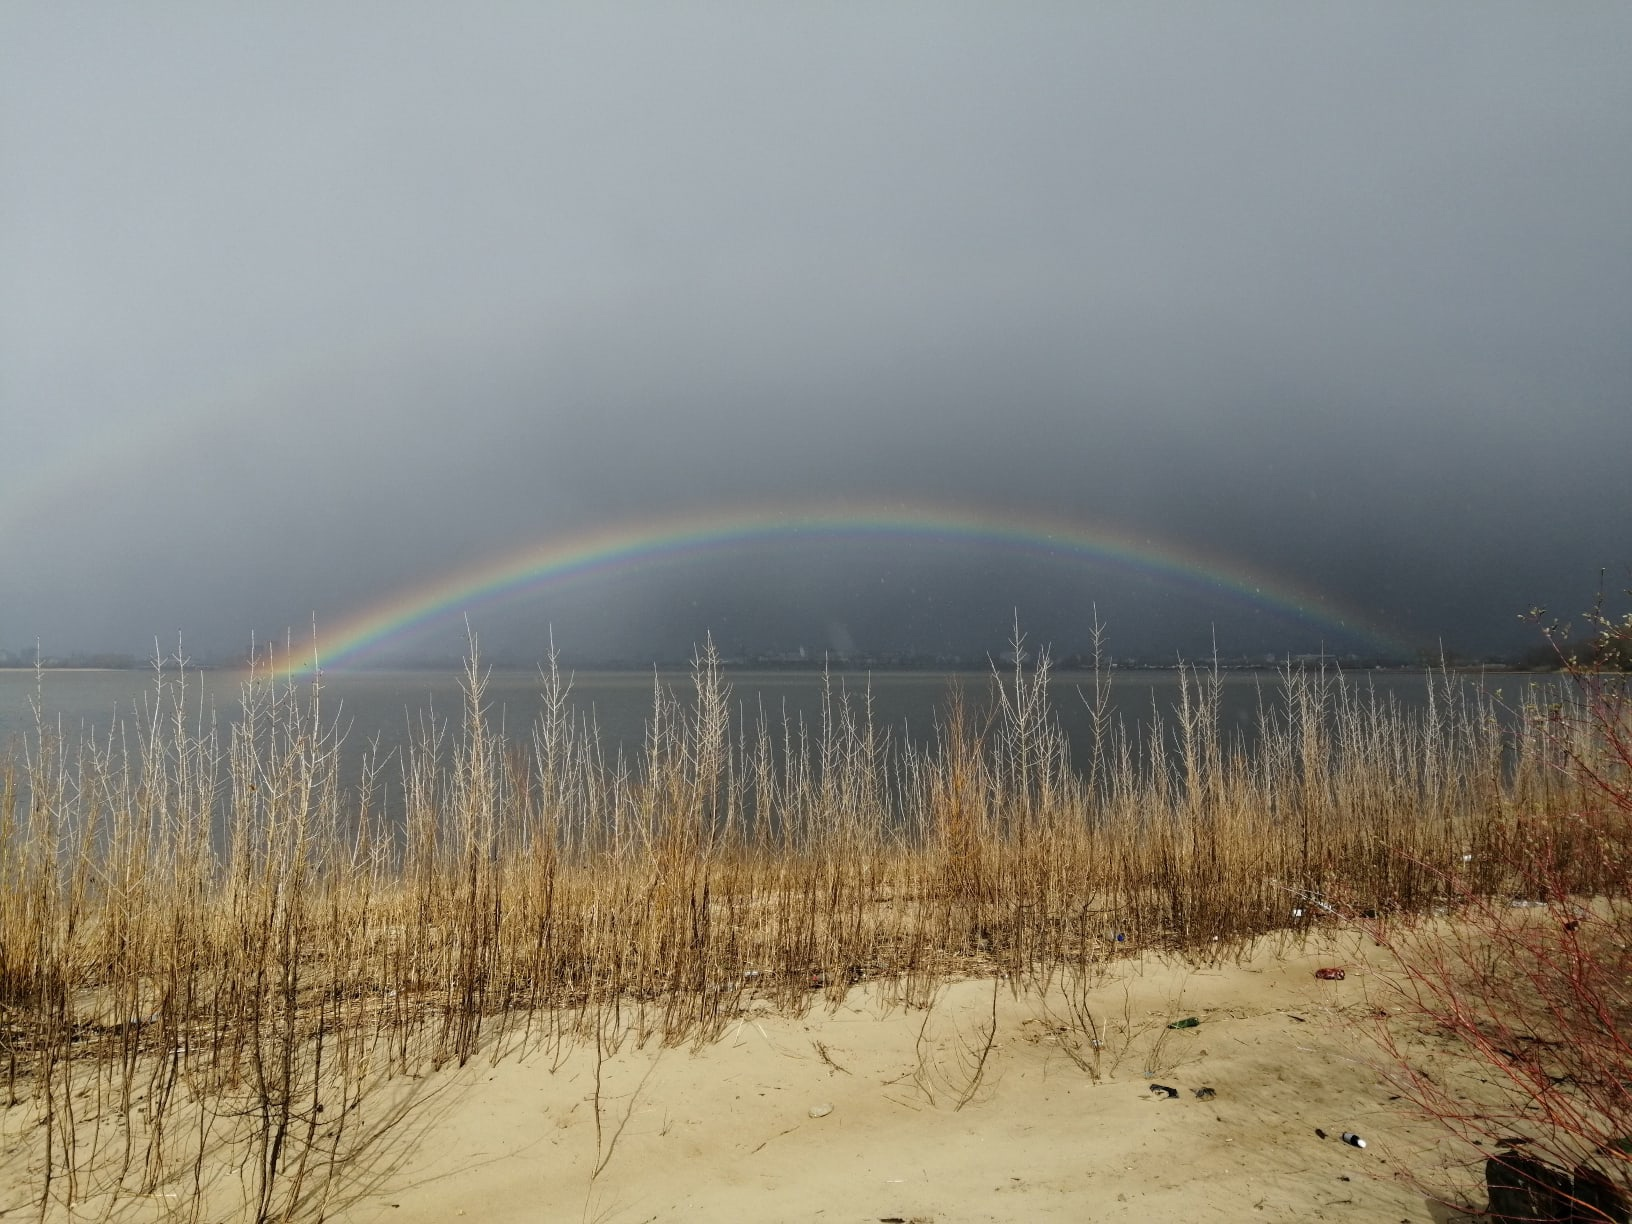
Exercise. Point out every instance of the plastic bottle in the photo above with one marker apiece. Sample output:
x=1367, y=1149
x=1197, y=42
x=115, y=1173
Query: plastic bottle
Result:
x=1353, y=1140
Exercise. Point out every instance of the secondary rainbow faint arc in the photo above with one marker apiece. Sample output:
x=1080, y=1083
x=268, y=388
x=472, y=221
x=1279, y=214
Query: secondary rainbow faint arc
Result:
x=629, y=543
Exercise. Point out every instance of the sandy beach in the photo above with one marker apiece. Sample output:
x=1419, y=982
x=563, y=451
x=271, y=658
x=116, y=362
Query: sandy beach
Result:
x=852, y=1113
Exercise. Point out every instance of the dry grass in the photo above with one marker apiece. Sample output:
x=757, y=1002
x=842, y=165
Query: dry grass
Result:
x=219, y=966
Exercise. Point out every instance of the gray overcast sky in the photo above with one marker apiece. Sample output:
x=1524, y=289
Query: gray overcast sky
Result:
x=301, y=305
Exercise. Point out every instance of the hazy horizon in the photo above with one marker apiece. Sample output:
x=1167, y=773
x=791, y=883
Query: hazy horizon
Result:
x=1289, y=328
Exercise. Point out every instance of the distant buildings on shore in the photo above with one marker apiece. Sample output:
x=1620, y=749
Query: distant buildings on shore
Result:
x=1005, y=660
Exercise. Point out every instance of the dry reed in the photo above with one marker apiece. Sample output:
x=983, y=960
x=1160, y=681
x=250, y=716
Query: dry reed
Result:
x=216, y=959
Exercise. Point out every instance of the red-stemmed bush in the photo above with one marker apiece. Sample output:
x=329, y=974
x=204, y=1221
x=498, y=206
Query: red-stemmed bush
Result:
x=1511, y=1019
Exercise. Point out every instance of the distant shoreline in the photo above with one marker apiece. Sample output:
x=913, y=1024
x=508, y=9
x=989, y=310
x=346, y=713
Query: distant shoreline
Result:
x=964, y=668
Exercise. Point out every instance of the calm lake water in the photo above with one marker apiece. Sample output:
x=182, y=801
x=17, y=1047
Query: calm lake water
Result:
x=386, y=704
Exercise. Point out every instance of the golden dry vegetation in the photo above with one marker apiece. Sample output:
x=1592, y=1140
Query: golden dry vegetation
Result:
x=214, y=955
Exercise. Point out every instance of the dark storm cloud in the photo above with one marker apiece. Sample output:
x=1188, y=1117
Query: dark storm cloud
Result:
x=301, y=306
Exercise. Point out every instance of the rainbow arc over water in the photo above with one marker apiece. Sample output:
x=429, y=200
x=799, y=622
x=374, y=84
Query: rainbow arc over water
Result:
x=665, y=539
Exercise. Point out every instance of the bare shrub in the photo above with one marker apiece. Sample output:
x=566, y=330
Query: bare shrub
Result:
x=1525, y=982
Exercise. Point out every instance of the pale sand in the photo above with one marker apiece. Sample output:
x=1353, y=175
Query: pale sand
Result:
x=726, y=1132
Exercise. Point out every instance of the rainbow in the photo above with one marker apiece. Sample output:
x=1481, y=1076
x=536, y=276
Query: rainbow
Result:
x=647, y=541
